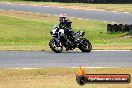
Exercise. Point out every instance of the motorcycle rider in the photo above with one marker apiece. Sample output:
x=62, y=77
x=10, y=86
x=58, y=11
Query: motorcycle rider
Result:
x=66, y=25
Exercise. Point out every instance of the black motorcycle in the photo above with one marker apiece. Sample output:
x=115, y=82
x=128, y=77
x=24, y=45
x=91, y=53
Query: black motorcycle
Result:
x=61, y=40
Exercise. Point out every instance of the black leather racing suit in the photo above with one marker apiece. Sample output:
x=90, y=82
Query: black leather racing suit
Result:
x=66, y=25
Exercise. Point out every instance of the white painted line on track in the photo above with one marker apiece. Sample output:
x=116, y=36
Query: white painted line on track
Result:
x=113, y=22
x=72, y=17
x=11, y=10
x=85, y=19
x=114, y=11
x=38, y=13
x=29, y=68
x=22, y=4
x=61, y=7
x=74, y=8
x=80, y=18
x=126, y=12
x=46, y=6
x=8, y=3
x=96, y=67
x=111, y=50
x=48, y=14
x=34, y=5
x=69, y=67
x=105, y=21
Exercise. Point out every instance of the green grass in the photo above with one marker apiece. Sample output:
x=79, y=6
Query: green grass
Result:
x=33, y=30
x=15, y=31
x=11, y=0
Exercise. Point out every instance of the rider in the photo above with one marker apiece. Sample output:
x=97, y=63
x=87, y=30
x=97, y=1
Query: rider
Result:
x=66, y=25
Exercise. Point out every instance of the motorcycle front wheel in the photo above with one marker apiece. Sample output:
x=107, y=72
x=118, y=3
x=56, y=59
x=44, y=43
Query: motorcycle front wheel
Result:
x=55, y=46
x=85, y=45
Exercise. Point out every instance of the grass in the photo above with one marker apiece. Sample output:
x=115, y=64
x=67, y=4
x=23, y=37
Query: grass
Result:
x=28, y=29
x=17, y=31
x=55, y=78
x=110, y=7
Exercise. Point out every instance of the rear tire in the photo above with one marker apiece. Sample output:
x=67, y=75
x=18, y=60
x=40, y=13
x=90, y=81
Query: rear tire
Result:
x=54, y=47
x=85, y=45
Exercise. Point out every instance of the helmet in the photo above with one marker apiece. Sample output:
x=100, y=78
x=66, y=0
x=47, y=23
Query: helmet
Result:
x=62, y=17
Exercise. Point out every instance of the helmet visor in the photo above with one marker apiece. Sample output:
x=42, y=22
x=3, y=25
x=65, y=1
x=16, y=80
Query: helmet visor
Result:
x=62, y=18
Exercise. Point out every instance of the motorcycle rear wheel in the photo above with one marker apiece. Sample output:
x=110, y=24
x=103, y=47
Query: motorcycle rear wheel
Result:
x=85, y=45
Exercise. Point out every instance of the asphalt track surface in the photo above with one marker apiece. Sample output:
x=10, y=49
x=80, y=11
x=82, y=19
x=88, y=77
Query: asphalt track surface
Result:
x=109, y=16
x=39, y=59
x=35, y=59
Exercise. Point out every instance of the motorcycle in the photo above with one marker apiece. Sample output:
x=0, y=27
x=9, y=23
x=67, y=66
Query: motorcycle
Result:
x=61, y=40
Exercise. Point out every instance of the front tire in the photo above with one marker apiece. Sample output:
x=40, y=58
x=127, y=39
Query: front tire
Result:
x=85, y=45
x=53, y=45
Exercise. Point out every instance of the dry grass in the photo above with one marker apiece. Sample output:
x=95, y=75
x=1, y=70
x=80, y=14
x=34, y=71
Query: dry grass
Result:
x=55, y=78
x=30, y=16
x=111, y=47
x=46, y=48
x=27, y=48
